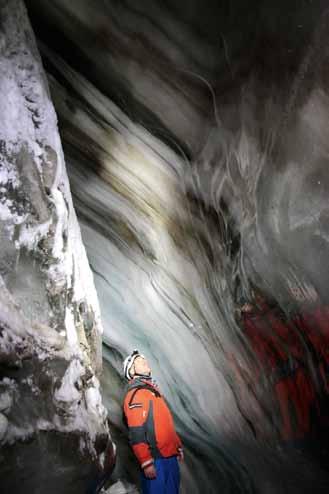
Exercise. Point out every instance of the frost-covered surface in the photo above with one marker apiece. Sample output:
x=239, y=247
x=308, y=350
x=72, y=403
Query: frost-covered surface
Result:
x=50, y=326
x=121, y=487
x=35, y=201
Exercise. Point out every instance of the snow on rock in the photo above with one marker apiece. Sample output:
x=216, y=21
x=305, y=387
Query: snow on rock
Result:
x=3, y=426
x=94, y=399
x=36, y=208
x=50, y=325
x=6, y=401
x=68, y=392
x=121, y=487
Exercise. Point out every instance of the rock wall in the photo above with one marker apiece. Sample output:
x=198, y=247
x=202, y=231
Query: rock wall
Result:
x=51, y=413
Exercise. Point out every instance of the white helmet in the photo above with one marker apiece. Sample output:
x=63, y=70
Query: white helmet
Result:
x=128, y=362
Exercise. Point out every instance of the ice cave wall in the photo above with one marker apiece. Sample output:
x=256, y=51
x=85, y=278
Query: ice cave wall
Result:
x=53, y=422
x=196, y=140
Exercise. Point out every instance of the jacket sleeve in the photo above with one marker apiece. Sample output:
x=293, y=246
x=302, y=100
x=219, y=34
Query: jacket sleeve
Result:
x=136, y=415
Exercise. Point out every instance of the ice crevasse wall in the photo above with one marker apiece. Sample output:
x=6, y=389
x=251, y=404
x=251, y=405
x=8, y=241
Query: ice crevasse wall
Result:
x=195, y=138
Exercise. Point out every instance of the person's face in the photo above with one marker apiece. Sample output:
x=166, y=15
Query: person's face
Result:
x=141, y=366
x=247, y=307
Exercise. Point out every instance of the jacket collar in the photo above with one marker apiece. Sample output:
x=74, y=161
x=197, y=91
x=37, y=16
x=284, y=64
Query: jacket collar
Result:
x=140, y=381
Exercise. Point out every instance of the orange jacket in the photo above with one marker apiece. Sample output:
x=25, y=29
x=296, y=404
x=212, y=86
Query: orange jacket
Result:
x=151, y=427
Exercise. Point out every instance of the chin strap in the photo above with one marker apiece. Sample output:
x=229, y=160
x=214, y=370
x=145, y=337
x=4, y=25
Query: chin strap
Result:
x=144, y=376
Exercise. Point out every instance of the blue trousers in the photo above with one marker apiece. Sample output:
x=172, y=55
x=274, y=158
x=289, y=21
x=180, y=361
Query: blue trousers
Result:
x=167, y=479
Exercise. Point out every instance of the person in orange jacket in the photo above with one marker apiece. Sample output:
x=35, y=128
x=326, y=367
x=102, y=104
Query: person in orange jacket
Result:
x=151, y=429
